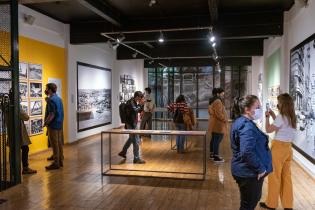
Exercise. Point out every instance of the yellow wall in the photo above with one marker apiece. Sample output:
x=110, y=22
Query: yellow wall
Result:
x=53, y=62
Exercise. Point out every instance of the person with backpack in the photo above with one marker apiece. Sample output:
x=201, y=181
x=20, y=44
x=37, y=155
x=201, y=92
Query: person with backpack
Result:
x=179, y=109
x=217, y=123
x=129, y=115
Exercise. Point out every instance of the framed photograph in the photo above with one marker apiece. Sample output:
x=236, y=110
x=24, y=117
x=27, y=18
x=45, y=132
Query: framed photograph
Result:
x=24, y=106
x=35, y=72
x=302, y=88
x=36, y=108
x=36, y=125
x=23, y=71
x=23, y=89
x=94, y=100
x=36, y=90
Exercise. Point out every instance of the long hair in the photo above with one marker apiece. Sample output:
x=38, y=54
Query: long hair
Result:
x=286, y=108
x=180, y=99
x=240, y=104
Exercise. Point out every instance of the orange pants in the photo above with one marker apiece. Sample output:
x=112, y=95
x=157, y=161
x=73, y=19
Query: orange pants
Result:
x=279, y=181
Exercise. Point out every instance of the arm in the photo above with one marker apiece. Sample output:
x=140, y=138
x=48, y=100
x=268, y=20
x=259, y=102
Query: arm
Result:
x=51, y=112
x=248, y=143
x=269, y=127
x=218, y=111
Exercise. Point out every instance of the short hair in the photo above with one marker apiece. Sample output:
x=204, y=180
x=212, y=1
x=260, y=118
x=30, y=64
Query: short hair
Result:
x=52, y=87
x=138, y=94
x=148, y=90
x=216, y=91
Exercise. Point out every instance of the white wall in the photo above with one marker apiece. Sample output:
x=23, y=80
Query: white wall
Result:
x=257, y=68
x=44, y=29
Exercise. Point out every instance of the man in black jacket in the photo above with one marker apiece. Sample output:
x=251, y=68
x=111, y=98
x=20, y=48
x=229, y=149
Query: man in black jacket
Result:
x=133, y=106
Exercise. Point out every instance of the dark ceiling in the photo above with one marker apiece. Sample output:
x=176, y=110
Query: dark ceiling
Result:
x=240, y=25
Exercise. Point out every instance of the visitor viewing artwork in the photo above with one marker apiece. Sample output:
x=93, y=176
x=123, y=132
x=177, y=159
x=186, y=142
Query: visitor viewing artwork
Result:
x=302, y=88
x=94, y=106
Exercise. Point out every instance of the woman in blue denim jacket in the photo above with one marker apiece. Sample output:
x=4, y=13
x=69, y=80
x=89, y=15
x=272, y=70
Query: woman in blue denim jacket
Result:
x=251, y=161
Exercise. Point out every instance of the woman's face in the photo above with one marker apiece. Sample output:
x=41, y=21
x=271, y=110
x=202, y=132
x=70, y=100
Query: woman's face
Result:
x=251, y=111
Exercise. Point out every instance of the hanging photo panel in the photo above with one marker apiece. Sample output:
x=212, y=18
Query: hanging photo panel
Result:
x=36, y=90
x=36, y=125
x=23, y=71
x=94, y=108
x=35, y=72
x=36, y=108
x=24, y=106
x=23, y=87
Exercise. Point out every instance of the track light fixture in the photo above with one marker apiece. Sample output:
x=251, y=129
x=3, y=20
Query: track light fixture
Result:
x=152, y=2
x=135, y=55
x=115, y=46
x=151, y=61
x=120, y=38
x=213, y=44
x=161, y=38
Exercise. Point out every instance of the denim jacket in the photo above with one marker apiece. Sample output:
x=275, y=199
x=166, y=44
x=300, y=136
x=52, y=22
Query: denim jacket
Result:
x=251, y=153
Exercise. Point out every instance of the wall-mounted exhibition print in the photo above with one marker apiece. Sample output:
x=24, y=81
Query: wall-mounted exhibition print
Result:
x=36, y=126
x=94, y=108
x=302, y=88
x=23, y=89
x=36, y=108
x=24, y=106
x=127, y=87
x=23, y=70
x=36, y=90
x=35, y=72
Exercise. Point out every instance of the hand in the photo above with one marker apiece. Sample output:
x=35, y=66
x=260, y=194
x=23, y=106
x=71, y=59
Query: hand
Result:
x=273, y=115
x=261, y=175
x=267, y=114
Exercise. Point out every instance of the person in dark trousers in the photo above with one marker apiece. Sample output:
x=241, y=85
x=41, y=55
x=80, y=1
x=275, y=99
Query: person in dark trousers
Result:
x=54, y=123
x=134, y=106
x=24, y=144
x=217, y=123
x=251, y=160
x=148, y=110
x=179, y=109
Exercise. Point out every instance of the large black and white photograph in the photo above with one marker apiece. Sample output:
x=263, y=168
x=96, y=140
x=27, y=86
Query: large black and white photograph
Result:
x=302, y=88
x=23, y=89
x=36, y=126
x=35, y=72
x=127, y=87
x=94, y=107
x=23, y=71
x=36, y=90
x=24, y=106
x=36, y=108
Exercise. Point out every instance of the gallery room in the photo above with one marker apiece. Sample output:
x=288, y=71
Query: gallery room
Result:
x=157, y=104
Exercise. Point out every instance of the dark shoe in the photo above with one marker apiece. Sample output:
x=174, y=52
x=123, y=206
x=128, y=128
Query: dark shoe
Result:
x=211, y=156
x=218, y=159
x=61, y=164
x=263, y=205
x=51, y=158
x=138, y=161
x=122, y=154
x=52, y=167
x=288, y=209
x=28, y=171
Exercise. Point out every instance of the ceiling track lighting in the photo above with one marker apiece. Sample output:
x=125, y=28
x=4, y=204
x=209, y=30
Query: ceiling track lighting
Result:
x=151, y=61
x=115, y=46
x=120, y=38
x=152, y=2
x=135, y=55
x=161, y=37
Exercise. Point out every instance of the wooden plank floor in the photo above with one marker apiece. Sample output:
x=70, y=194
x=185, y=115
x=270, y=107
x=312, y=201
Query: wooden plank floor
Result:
x=79, y=184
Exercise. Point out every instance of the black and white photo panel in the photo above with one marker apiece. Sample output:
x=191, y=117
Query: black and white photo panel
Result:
x=23, y=71
x=23, y=90
x=35, y=72
x=36, y=90
x=36, y=126
x=24, y=106
x=36, y=108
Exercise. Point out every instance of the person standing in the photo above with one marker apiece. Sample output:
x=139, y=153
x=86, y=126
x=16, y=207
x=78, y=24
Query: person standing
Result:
x=279, y=181
x=217, y=123
x=54, y=123
x=24, y=144
x=251, y=159
x=148, y=109
x=179, y=109
x=133, y=107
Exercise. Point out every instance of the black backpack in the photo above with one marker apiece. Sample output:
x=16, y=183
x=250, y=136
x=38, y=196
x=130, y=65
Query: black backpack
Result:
x=124, y=111
x=178, y=116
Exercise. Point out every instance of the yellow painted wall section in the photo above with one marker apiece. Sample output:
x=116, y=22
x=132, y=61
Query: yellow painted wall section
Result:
x=53, y=61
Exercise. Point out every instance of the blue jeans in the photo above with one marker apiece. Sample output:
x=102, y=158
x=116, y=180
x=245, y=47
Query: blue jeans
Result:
x=180, y=140
x=135, y=141
x=215, y=143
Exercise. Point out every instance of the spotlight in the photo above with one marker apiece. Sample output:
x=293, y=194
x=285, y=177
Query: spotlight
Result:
x=120, y=38
x=29, y=19
x=161, y=38
x=212, y=38
x=151, y=61
x=135, y=55
x=215, y=56
x=214, y=44
x=115, y=46
x=152, y=2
